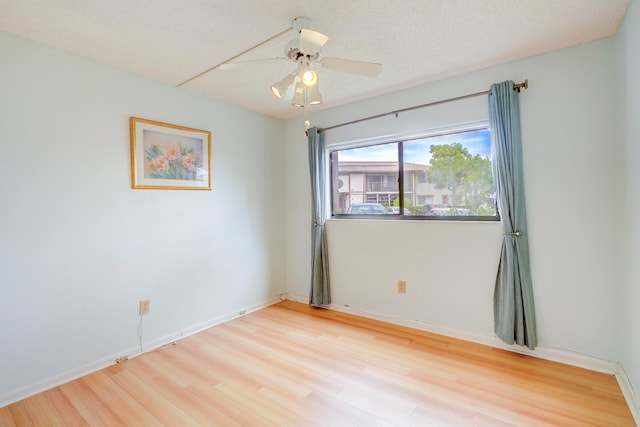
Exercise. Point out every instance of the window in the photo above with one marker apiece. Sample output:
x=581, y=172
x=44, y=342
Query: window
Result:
x=445, y=176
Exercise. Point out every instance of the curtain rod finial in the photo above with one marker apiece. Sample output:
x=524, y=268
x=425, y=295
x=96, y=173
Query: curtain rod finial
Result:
x=519, y=86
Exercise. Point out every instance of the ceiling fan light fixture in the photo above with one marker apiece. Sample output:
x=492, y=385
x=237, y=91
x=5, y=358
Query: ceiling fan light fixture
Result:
x=309, y=76
x=280, y=89
x=299, y=96
x=314, y=97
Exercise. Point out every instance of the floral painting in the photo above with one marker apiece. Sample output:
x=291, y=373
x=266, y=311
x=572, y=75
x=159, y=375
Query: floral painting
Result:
x=169, y=156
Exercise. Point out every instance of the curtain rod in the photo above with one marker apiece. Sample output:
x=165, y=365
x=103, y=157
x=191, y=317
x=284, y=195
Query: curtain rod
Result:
x=516, y=86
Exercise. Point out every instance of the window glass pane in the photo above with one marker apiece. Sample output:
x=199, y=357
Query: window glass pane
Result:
x=365, y=179
x=450, y=175
x=446, y=175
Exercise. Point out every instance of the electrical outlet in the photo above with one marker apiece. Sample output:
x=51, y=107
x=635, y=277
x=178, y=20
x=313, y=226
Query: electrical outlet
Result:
x=145, y=305
x=402, y=287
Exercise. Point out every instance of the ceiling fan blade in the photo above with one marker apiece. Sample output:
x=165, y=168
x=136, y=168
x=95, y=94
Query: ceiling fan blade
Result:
x=311, y=41
x=366, y=69
x=236, y=65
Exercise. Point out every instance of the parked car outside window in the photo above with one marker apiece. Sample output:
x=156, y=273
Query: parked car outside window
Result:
x=366, y=209
x=395, y=210
x=449, y=212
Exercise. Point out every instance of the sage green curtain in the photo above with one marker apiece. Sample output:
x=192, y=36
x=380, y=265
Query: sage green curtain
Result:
x=320, y=289
x=513, y=307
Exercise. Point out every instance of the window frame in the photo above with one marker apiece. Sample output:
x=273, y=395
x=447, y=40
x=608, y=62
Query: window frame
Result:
x=400, y=140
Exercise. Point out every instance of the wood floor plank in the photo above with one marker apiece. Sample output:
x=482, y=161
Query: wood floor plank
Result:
x=262, y=404
x=92, y=408
x=199, y=409
x=237, y=410
x=126, y=407
x=6, y=419
x=294, y=365
x=307, y=409
x=273, y=372
x=50, y=408
x=349, y=412
x=153, y=401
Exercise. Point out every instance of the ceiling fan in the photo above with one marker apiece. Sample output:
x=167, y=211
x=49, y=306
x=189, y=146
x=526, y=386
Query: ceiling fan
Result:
x=301, y=85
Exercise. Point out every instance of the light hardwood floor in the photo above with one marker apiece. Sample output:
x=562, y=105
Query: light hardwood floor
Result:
x=292, y=365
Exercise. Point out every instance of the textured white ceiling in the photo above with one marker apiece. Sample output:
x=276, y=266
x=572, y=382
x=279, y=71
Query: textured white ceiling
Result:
x=415, y=40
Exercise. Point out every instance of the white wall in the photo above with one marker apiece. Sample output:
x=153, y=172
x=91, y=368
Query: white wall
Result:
x=79, y=247
x=572, y=176
x=628, y=41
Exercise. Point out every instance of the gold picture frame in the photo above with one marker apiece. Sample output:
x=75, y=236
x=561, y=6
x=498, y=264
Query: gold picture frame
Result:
x=169, y=157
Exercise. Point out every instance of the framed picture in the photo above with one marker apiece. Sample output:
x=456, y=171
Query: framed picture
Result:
x=169, y=157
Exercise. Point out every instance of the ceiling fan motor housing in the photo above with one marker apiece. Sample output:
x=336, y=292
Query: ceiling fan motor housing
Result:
x=292, y=51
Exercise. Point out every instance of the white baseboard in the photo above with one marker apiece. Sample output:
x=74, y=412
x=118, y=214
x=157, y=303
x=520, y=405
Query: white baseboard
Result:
x=552, y=354
x=229, y=316
x=62, y=378
x=132, y=352
x=628, y=393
